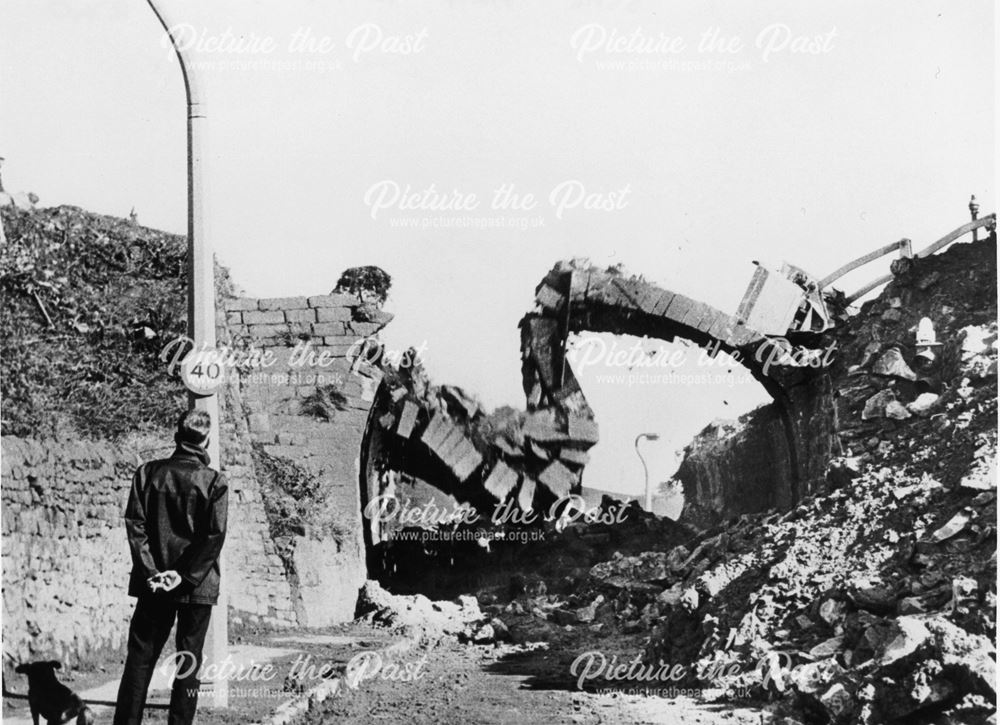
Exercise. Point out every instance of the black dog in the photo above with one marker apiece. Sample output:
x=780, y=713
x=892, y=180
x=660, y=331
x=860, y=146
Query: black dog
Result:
x=49, y=698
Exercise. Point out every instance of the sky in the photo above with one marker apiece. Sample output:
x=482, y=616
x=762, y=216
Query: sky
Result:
x=683, y=140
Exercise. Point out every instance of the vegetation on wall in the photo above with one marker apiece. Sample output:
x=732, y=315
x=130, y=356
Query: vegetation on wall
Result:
x=295, y=502
x=89, y=303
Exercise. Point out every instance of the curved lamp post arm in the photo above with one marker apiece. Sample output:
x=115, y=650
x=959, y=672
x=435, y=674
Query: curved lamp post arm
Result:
x=201, y=267
x=191, y=89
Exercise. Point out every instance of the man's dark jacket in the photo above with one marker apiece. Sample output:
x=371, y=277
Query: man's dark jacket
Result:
x=176, y=519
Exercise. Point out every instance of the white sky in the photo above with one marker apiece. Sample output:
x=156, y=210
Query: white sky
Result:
x=813, y=158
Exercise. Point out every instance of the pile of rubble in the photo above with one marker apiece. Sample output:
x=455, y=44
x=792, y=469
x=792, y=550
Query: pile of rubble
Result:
x=539, y=589
x=424, y=620
x=874, y=600
x=870, y=603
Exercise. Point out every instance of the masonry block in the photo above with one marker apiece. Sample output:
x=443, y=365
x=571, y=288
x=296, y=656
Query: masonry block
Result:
x=695, y=314
x=241, y=303
x=541, y=425
x=583, y=429
x=526, y=496
x=339, y=346
x=328, y=329
x=678, y=307
x=283, y=303
x=721, y=326
x=303, y=315
x=501, y=481
x=648, y=297
x=578, y=283
x=549, y=298
x=574, y=457
x=465, y=460
x=334, y=300
x=263, y=318
x=269, y=331
x=331, y=314
x=407, y=419
x=364, y=329
x=435, y=431
x=558, y=479
x=628, y=289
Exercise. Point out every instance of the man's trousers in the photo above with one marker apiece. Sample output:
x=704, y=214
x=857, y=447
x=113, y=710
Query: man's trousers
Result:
x=154, y=616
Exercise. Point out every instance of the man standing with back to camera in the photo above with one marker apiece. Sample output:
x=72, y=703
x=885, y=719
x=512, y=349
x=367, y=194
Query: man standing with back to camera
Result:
x=176, y=525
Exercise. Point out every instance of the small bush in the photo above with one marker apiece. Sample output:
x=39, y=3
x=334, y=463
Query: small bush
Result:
x=323, y=403
x=369, y=283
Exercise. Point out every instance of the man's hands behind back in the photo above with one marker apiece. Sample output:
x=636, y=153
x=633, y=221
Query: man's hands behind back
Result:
x=165, y=581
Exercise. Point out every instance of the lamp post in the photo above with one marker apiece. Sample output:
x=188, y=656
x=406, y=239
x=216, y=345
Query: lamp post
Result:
x=974, y=212
x=645, y=468
x=201, y=319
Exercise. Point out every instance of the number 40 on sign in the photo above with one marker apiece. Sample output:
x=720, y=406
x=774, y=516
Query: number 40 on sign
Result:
x=203, y=371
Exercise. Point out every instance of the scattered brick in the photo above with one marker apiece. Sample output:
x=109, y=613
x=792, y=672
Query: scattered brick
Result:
x=558, y=479
x=583, y=429
x=526, y=496
x=574, y=457
x=501, y=481
x=541, y=425
x=467, y=462
x=549, y=298
x=407, y=420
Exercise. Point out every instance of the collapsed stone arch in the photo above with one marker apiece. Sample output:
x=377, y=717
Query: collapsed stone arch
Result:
x=530, y=458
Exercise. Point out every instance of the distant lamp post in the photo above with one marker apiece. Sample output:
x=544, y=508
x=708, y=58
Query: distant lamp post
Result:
x=974, y=211
x=645, y=468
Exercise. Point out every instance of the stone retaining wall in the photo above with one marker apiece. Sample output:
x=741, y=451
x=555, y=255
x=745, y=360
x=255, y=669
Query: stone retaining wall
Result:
x=65, y=555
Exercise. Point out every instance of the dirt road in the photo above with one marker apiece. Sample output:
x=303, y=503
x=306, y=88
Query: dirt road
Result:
x=472, y=684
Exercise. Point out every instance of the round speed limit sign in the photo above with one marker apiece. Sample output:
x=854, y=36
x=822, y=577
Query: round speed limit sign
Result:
x=203, y=372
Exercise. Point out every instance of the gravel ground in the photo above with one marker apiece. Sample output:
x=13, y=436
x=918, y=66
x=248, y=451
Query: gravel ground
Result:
x=507, y=684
